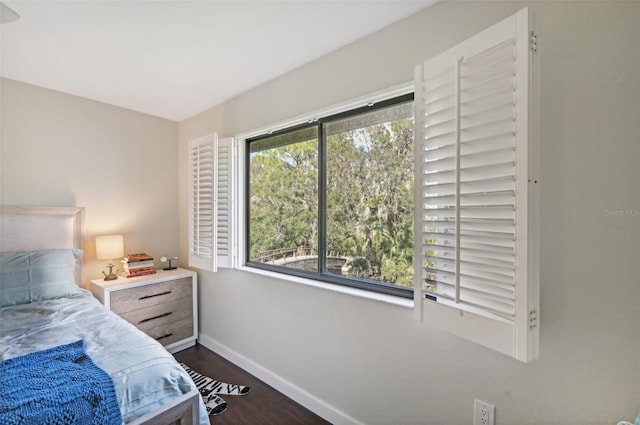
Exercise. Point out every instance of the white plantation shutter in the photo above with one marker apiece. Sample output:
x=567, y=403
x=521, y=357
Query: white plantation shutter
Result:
x=476, y=262
x=210, y=202
x=202, y=178
x=225, y=207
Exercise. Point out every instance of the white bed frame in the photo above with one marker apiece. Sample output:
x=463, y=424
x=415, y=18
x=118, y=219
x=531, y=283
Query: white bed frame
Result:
x=37, y=228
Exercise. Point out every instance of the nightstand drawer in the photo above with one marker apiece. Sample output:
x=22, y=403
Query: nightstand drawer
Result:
x=150, y=295
x=171, y=332
x=161, y=314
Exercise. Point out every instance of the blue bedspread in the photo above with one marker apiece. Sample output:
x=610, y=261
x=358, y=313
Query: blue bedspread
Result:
x=145, y=375
x=60, y=385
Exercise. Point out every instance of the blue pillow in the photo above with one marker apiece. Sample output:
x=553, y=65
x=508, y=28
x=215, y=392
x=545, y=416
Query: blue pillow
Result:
x=29, y=276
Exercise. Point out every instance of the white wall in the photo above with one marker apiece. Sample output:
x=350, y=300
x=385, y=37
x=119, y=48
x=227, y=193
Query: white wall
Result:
x=360, y=360
x=61, y=150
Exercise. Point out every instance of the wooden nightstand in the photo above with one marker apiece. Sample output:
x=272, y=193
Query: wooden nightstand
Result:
x=163, y=305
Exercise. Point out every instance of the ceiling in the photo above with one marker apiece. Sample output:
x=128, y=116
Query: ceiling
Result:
x=175, y=59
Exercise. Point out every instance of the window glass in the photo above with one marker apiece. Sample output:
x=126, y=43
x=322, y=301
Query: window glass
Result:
x=333, y=200
x=283, y=200
x=370, y=195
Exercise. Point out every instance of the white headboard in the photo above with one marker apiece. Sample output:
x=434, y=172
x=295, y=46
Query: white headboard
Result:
x=37, y=228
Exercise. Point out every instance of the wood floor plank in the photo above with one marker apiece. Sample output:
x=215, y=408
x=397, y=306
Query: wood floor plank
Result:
x=263, y=405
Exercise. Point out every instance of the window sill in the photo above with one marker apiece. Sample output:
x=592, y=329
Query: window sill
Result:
x=360, y=293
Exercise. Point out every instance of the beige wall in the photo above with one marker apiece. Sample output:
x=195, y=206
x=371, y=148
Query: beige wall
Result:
x=363, y=361
x=58, y=149
x=359, y=360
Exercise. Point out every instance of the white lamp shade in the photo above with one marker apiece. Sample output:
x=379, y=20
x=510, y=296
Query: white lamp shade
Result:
x=109, y=247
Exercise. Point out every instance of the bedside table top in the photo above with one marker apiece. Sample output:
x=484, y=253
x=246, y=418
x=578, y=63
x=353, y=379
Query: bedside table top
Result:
x=132, y=282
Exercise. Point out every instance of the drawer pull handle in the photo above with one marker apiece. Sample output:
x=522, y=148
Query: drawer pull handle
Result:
x=144, y=297
x=164, y=336
x=155, y=317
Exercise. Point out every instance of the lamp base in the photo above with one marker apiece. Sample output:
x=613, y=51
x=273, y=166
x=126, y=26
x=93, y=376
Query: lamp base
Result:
x=111, y=275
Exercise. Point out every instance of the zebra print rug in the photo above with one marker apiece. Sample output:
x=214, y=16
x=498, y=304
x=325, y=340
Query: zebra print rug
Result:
x=210, y=388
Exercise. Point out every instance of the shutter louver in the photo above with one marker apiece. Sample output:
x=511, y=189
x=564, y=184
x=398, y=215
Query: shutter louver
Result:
x=202, y=177
x=225, y=192
x=486, y=188
x=472, y=171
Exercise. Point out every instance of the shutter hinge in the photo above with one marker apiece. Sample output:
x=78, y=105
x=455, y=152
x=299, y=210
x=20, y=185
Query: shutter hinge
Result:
x=533, y=319
x=533, y=42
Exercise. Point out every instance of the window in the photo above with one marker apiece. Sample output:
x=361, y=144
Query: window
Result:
x=333, y=199
x=447, y=216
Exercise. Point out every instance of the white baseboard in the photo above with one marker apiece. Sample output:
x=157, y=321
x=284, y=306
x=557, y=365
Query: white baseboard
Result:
x=287, y=388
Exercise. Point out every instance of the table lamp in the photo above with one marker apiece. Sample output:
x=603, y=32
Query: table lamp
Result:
x=108, y=248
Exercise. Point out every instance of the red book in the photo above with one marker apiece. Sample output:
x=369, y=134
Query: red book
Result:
x=139, y=269
x=138, y=257
x=141, y=273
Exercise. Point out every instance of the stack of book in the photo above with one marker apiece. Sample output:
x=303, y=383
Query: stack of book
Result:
x=138, y=265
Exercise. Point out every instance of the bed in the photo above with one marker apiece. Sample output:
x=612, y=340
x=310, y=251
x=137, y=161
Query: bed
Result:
x=48, y=308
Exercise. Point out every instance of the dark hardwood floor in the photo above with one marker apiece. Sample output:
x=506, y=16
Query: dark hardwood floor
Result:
x=263, y=405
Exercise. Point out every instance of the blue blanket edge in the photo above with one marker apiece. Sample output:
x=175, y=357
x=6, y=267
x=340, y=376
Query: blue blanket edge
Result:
x=75, y=377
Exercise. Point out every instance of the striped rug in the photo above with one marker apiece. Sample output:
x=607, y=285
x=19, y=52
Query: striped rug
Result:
x=210, y=388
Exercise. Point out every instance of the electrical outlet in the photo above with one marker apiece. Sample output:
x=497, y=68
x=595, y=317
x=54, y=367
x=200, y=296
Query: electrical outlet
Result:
x=483, y=413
